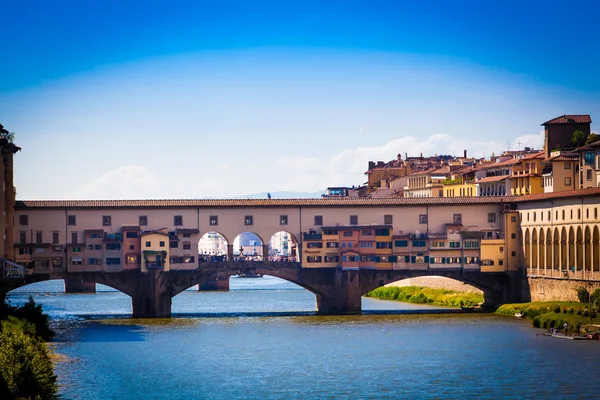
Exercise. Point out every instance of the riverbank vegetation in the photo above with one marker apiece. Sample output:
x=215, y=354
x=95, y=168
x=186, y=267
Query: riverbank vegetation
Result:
x=555, y=314
x=26, y=370
x=424, y=295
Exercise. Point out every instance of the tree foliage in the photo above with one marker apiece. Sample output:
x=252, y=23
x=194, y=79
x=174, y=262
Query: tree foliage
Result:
x=25, y=366
x=578, y=139
x=592, y=137
x=5, y=134
x=583, y=295
x=32, y=312
x=26, y=371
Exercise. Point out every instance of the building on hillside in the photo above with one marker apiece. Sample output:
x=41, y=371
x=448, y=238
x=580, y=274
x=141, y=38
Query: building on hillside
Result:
x=342, y=192
x=428, y=183
x=461, y=182
x=493, y=178
x=560, y=171
x=527, y=175
x=589, y=165
x=558, y=132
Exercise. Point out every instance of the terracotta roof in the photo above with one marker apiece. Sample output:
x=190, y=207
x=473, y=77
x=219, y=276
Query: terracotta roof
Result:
x=533, y=156
x=492, y=179
x=570, y=119
x=589, y=146
x=564, y=157
x=248, y=203
x=592, y=192
x=504, y=163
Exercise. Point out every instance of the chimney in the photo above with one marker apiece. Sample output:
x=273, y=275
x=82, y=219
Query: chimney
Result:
x=371, y=165
x=465, y=153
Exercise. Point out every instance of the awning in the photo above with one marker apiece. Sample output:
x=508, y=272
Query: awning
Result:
x=77, y=259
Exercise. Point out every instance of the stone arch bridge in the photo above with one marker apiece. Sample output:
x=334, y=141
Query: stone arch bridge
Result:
x=337, y=291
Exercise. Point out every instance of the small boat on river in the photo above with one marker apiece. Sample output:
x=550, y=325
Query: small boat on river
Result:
x=519, y=315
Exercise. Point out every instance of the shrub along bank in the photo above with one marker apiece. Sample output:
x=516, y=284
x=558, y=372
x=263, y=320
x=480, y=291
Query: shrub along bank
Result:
x=554, y=314
x=26, y=370
x=424, y=295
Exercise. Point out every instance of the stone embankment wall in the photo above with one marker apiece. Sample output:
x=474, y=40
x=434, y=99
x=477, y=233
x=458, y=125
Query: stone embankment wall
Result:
x=437, y=282
x=555, y=289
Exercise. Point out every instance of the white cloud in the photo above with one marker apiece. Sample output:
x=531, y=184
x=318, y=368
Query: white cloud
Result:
x=126, y=182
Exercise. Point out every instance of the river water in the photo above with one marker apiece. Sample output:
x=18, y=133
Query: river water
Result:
x=261, y=340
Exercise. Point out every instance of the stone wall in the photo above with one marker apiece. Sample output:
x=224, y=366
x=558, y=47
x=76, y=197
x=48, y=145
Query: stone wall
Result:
x=437, y=282
x=558, y=289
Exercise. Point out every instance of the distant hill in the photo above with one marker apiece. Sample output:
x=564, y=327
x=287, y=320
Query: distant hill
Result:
x=282, y=195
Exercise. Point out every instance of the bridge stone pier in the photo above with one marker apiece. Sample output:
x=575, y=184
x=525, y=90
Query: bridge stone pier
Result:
x=337, y=291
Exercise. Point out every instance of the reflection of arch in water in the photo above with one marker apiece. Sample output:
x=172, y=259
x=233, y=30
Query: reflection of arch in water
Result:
x=212, y=244
x=283, y=246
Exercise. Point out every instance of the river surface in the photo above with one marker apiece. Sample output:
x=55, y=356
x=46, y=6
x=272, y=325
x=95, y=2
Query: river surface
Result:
x=261, y=340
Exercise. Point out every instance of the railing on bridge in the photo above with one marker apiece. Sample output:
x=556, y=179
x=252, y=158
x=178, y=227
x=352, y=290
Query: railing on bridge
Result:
x=11, y=270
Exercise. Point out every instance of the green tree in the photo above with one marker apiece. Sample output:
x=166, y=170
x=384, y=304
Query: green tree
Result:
x=592, y=137
x=32, y=312
x=5, y=134
x=25, y=366
x=578, y=138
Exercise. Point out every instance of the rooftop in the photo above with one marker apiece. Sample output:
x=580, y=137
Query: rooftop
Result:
x=570, y=119
x=248, y=203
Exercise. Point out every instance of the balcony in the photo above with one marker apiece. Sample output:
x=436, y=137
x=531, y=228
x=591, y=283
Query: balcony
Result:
x=438, y=235
x=312, y=236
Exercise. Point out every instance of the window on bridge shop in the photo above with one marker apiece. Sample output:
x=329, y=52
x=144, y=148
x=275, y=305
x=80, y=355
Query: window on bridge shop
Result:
x=213, y=220
x=22, y=237
x=354, y=220
x=71, y=220
x=313, y=259
x=422, y=218
x=457, y=218
x=331, y=259
x=178, y=220
x=106, y=220
x=133, y=259
x=248, y=220
x=23, y=220
x=74, y=237
x=57, y=262
x=283, y=220
x=318, y=220
x=187, y=246
x=54, y=237
x=173, y=244
x=143, y=220
x=388, y=219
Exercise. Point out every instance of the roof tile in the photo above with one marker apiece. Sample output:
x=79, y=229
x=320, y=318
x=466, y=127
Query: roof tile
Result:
x=570, y=119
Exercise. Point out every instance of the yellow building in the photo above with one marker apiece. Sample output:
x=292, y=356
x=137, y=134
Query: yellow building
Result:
x=560, y=172
x=503, y=252
x=155, y=250
x=527, y=175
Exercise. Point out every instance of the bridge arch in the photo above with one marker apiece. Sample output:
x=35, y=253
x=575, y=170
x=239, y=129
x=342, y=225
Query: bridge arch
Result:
x=212, y=243
x=283, y=246
x=492, y=285
x=249, y=245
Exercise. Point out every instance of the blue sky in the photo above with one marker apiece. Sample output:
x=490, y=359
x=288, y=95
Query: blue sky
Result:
x=188, y=99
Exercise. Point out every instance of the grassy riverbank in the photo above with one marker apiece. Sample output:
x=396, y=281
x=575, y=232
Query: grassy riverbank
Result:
x=423, y=295
x=554, y=314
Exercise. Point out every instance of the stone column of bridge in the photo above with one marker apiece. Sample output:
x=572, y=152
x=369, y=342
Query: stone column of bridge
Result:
x=339, y=292
x=230, y=252
x=77, y=286
x=151, y=295
x=265, y=252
